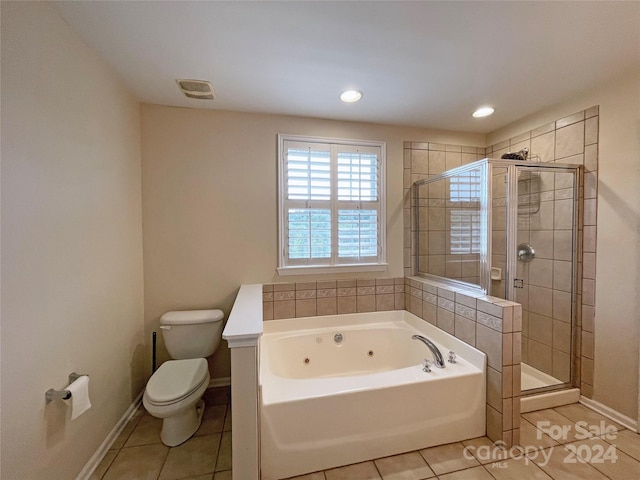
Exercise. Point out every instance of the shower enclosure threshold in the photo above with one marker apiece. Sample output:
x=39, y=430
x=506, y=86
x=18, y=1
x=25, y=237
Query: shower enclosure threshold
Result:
x=534, y=378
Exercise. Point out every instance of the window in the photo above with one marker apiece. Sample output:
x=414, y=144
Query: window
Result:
x=331, y=205
x=464, y=213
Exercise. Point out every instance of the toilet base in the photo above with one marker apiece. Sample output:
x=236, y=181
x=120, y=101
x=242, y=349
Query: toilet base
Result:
x=179, y=428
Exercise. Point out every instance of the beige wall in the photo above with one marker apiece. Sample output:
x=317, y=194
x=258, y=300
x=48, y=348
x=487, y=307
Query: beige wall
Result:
x=71, y=244
x=618, y=234
x=209, y=203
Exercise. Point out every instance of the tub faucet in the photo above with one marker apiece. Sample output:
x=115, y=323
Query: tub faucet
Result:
x=437, y=356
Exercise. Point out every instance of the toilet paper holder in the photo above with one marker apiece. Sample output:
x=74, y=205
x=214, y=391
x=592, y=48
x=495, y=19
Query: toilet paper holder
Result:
x=52, y=394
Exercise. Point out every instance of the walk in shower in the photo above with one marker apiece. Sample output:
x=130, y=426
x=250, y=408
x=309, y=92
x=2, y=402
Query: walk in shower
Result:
x=508, y=228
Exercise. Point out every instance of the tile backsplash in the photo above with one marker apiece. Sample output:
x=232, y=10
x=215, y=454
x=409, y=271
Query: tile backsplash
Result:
x=308, y=299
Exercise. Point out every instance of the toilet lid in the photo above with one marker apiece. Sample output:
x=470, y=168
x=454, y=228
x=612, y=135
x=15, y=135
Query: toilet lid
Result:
x=175, y=379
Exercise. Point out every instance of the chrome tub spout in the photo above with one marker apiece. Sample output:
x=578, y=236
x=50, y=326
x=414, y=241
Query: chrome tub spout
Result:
x=438, y=360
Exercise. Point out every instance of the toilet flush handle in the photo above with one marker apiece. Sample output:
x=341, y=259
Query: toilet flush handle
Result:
x=165, y=327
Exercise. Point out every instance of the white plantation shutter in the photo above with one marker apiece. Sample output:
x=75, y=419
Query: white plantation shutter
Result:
x=358, y=204
x=331, y=202
x=464, y=213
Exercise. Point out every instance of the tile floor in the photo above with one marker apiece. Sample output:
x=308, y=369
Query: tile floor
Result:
x=138, y=453
x=555, y=444
x=541, y=457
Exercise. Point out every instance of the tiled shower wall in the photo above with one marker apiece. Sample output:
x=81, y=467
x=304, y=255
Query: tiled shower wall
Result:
x=572, y=139
x=424, y=160
x=545, y=219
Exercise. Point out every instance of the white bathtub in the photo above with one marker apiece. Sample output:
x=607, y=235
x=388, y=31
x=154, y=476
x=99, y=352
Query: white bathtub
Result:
x=325, y=404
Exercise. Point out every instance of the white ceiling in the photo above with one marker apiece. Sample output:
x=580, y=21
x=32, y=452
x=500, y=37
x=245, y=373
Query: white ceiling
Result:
x=427, y=64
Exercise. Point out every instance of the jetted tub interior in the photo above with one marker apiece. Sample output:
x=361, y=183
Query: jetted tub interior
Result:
x=342, y=389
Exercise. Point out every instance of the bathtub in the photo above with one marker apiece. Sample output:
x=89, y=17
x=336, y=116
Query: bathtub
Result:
x=325, y=404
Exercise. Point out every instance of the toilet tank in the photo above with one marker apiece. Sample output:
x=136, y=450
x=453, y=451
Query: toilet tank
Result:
x=192, y=333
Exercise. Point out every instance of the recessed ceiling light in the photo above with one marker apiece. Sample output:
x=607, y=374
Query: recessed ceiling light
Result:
x=350, y=96
x=483, y=112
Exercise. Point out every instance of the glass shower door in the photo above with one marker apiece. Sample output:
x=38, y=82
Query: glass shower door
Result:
x=543, y=280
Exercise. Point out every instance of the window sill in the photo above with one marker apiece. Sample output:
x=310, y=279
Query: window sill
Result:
x=314, y=270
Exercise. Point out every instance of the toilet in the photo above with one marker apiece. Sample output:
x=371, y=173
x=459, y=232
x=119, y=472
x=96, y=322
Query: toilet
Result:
x=174, y=392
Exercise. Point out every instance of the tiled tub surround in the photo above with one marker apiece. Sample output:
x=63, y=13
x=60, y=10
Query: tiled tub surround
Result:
x=492, y=325
x=309, y=299
x=375, y=364
x=571, y=139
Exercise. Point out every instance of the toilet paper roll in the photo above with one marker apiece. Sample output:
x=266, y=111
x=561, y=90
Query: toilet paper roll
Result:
x=79, y=400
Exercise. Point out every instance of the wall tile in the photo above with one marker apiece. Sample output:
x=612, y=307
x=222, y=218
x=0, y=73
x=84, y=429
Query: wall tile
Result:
x=589, y=239
x=591, y=131
x=592, y=111
x=588, y=344
x=569, y=120
x=543, y=146
x=465, y=330
x=570, y=140
x=507, y=414
x=399, y=301
x=539, y=356
x=305, y=286
x=490, y=321
x=540, y=328
x=494, y=424
x=445, y=320
x=346, y=304
x=284, y=309
x=517, y=375
x=591, y=158
x=366, y=303
x=588, y=292
x=494, y=388
x=561, y=306
x=517, y=348
x=306, y=308
x=385, y=302
x=327, y=306
x=561, y=366
x=549, y=127
x=281, y=287
x=430, y=313
x=588, y=320
x=267, y=310
x=345, y=292
x=490, y=342
x=305, y=294
x=330, y=284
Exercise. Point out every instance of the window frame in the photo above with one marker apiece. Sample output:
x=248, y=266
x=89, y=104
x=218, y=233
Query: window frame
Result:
x=285, y=266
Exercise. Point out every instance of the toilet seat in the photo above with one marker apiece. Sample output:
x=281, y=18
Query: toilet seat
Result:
x=176, y=380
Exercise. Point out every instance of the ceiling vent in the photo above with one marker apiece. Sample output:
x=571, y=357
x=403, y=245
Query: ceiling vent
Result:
x=199, y=89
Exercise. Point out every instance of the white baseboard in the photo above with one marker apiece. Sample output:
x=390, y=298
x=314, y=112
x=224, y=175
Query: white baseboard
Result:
x=610, y=413
x=220, y=382
x=94, y=461
x=104, y=447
